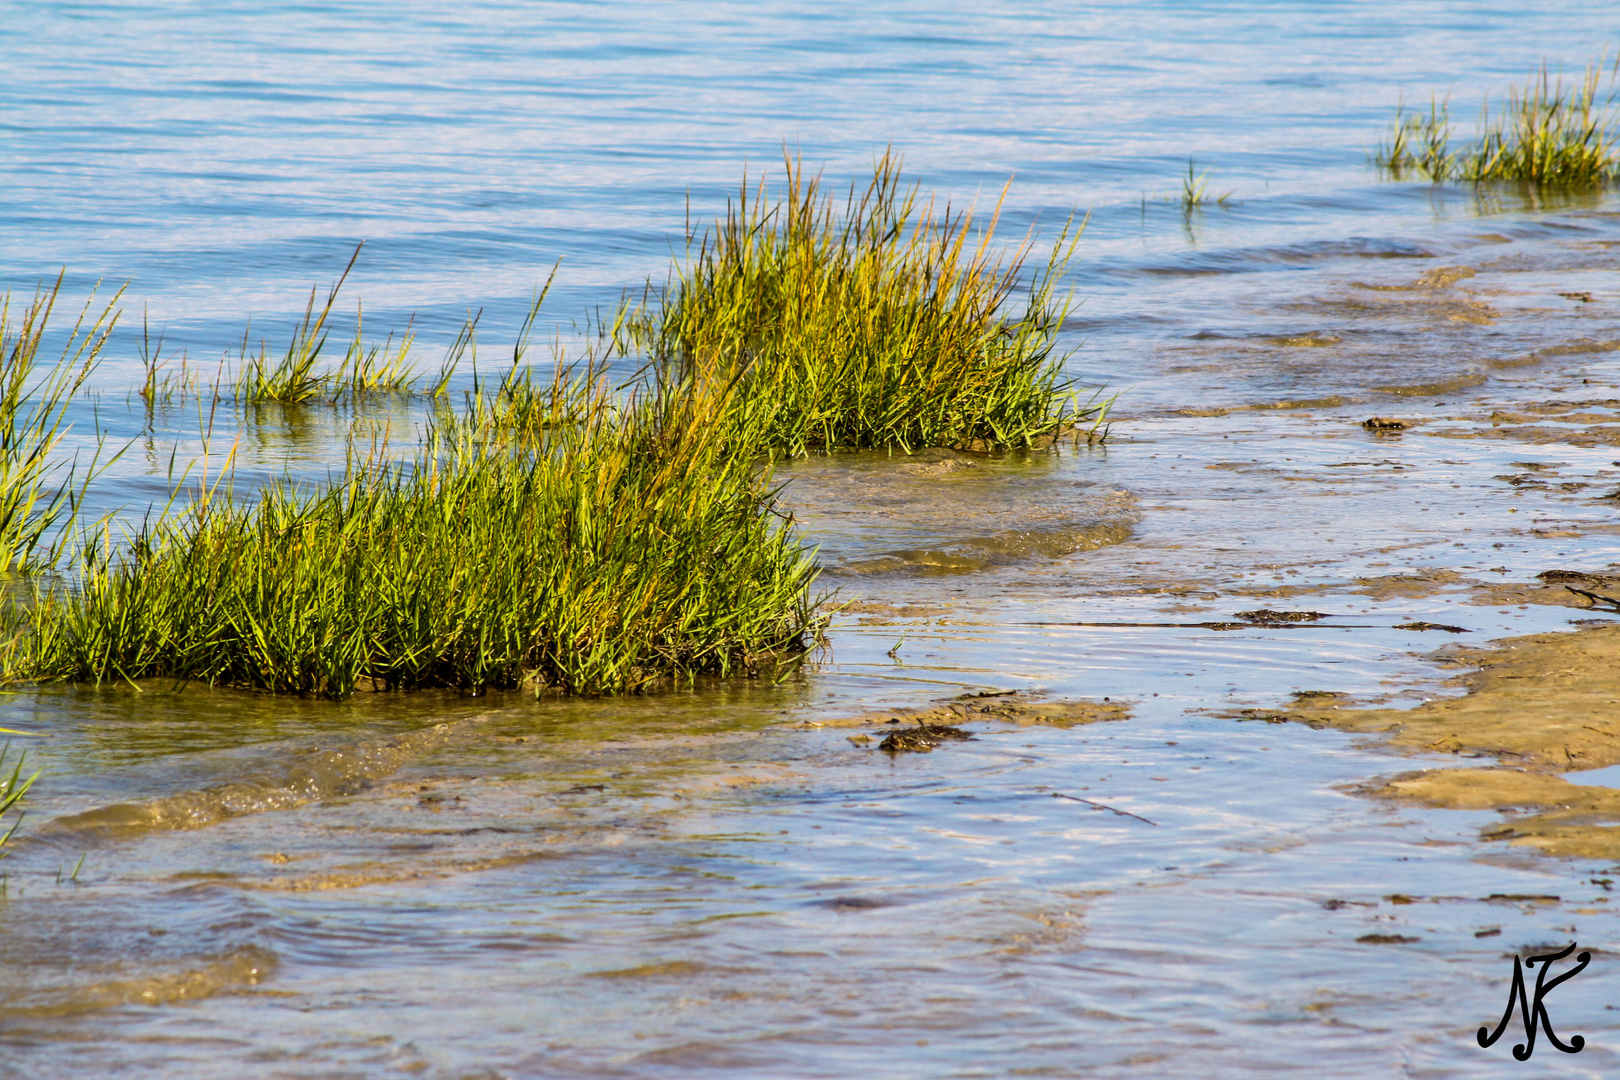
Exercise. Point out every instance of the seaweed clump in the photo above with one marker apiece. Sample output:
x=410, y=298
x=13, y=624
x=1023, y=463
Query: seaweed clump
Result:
x=922, y=738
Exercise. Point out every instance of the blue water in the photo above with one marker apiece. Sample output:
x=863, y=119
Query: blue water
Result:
x=222, y=157
x=749, y=894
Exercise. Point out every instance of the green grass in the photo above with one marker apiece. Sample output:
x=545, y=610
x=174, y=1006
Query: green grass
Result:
x=377, y=369
x=878, y=320
x=1420, y=145
x=291, y=377
x=295, y=376
x=12, y=791
x=618, y=545
x=1548, y=134
x=568, y=534
x=34, y=400
x=1195, y=189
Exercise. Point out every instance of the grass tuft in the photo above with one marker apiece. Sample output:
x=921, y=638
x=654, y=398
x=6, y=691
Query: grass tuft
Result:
x=12, y=790
x=33, y=419
x=616, y=545
x=870, y=321
x=1195, y=189
x=566, y=534
x=377, y=369
x=1548, y=134
x=291, y=378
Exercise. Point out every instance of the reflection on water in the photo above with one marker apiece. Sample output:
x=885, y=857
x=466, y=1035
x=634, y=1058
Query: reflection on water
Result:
x=732, y=880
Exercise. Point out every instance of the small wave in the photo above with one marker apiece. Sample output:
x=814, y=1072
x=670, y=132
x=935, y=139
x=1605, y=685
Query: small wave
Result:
x=1436, y=388
x=307, y=775
x=236, y=970
x=998, y=549
x=1250, y=260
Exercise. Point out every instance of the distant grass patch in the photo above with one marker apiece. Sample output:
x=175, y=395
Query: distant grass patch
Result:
x=1548, y=133
x=616, y=545
x=1195, y=190
x=876, y=320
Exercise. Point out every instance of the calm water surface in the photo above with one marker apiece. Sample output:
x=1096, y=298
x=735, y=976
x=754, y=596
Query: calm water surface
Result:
x=719, y=882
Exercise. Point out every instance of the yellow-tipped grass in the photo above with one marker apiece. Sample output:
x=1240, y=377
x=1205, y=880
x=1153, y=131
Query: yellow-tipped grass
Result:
x=33, y=419
x=618, y=546
x=878, y=323
x=1549, y=134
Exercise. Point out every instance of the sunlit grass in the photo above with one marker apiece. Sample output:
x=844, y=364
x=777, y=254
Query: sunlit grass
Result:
x=1195, y=189
x=569, y=533
x=295, y=376
x=1420, y=145
x=876, y=320
x=13, y=788
x=617, y=545
x=1549, y=133
x=34, y=399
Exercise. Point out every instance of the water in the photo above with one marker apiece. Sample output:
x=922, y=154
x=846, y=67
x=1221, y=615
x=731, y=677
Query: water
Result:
x=720, y=882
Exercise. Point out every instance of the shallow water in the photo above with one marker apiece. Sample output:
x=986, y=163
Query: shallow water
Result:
x=720, y=882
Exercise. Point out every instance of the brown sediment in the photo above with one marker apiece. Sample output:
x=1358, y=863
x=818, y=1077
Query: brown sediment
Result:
x=1545, y=812
x=1408, y=586
x=1541, y=705
x=1549, y=702
x=1586, y=423
x=1435, y=388
x=1307, y=341
x=360, y=875
x=1552, y=589
x=875, y=612
x=1268, y=615
x=1440, y=277
x=306, y=776
x=237, y=970
x=1333, y=401
x=1012, y=706
x=999, y=549
x=938, y=462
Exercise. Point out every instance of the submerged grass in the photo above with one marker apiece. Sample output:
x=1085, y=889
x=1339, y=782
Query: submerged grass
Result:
x=12, y=791
x=1549, y=133
x=617, y=545
x=878, y=323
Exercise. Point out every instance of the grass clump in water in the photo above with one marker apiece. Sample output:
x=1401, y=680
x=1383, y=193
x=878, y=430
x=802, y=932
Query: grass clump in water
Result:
x=33, y=419
x=614, y=546
x=1195, y=190
x=294, y=377
x=873, y=324
x=1549, y=134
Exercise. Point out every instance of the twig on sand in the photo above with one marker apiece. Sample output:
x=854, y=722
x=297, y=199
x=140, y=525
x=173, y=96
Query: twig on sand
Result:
x=1593, y=595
